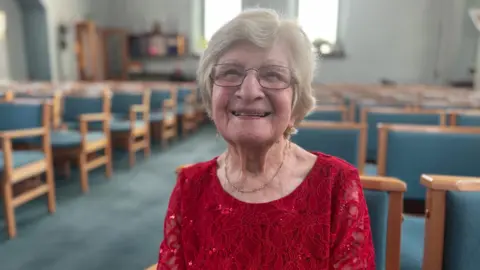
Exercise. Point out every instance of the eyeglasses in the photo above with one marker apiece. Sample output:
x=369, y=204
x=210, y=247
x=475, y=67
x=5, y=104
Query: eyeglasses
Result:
x=270, y=77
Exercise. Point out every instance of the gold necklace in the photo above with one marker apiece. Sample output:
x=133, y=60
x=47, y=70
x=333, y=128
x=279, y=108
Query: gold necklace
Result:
x=264, y=185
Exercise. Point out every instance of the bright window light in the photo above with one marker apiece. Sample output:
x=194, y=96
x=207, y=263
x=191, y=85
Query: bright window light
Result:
x=217, y=13
x=319, y=19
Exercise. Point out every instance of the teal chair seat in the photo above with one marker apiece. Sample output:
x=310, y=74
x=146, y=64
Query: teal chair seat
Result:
x=119, y=125
x=159, y=116
x=91, y=125
x=411, y=251
x=377, y=203
x=71, y=138
x=22, y=158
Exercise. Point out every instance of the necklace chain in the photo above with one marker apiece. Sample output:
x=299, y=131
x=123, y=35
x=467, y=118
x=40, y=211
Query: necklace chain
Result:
x=265, y=184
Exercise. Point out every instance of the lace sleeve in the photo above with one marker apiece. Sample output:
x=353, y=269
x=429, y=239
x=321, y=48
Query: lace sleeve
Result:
x=352, y=246
x=171, y=253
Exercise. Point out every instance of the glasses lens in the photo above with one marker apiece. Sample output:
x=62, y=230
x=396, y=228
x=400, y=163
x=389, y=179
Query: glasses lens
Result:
x=228, y=75
x=274, y=77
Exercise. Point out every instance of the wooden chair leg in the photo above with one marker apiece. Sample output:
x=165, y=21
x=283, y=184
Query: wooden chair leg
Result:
x=51, y=189
x=9, y=210
x=108, y=166
x=67, y=169
x=147, y=150
x=131, y=151
x=83, y=171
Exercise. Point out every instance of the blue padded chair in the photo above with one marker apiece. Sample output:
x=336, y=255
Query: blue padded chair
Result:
x=328, y=113
x=130, y=121
x=186, y=108
x=408, y=151
x=20, y=121
x=449, y=238
x=384, y=197
x=340, y=139
x=373, y=116
x=469, y=118
x=76, y=105
x=357, y=107
x=163, y=116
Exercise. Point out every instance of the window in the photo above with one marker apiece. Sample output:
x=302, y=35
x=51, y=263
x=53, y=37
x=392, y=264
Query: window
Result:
x=319, y=19
x=217, y=13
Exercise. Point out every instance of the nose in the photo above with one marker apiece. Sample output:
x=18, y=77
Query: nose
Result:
x=250, y=89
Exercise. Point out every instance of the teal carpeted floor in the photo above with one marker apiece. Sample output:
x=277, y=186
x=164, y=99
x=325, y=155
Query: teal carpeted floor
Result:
x=117, y=225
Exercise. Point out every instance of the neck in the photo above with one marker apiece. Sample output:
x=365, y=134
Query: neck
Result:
x=254, y=161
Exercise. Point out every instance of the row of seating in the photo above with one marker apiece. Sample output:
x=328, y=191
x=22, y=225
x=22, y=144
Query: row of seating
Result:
x=423, y=143
x=46, y=128
x=398, y=140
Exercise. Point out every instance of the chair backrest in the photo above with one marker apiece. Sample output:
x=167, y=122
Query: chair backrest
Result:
x=340, y=139
x=408, y=151
x=384, y=197
x=337, y=113
x=373, y=116
x=182, y=93
x=470, y=118
x=76, y=105
x=122, y=101
x=158, y=97
x=452, y=238
x=15, y=115
x=358, y=107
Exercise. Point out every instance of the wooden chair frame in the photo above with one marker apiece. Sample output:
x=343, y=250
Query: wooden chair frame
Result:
x=137, y=138
x=166, y=129
x=12, y=175
x=86, y=153
x=453, y=115
x=189, y=120
x=395, y=188
x=406, y=111
x=384, y=129
x=362, y=144
x=437, y=186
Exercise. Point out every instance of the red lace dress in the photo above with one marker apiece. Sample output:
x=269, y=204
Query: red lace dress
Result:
x=323, y=224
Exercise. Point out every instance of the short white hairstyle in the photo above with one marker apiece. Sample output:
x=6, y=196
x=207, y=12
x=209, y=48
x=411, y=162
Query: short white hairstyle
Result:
x=263, y=28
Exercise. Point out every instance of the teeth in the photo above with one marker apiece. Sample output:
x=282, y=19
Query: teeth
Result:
x=250, y=114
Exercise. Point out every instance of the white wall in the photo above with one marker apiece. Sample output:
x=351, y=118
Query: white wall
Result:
x=409, y=41
x=12, y=53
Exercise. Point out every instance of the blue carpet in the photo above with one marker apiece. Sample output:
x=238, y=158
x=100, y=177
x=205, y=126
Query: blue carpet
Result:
x=117, y=225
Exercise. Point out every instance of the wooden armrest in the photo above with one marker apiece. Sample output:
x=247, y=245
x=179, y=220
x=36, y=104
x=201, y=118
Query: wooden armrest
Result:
x=152, y=267
x=138, y=108
x=90, y=117
x=450, y=182
x=179, y=168
x=383, y=183
x=23, y=133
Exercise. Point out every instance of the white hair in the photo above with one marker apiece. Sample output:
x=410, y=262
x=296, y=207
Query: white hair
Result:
x=263, y=28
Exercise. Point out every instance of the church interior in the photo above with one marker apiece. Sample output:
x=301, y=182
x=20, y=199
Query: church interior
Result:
x=398, y=96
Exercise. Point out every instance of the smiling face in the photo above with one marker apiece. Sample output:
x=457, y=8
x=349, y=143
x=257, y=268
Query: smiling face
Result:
x=259, y=110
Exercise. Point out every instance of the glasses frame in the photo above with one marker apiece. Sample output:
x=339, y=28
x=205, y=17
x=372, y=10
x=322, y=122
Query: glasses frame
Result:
x=291, y=82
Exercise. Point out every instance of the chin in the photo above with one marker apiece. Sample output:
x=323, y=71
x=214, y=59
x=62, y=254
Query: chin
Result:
x=250, y=137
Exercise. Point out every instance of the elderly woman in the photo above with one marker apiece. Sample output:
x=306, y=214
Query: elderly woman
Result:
x=265, y=203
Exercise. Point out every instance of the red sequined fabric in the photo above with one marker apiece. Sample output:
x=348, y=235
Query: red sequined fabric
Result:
x=323, y=224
